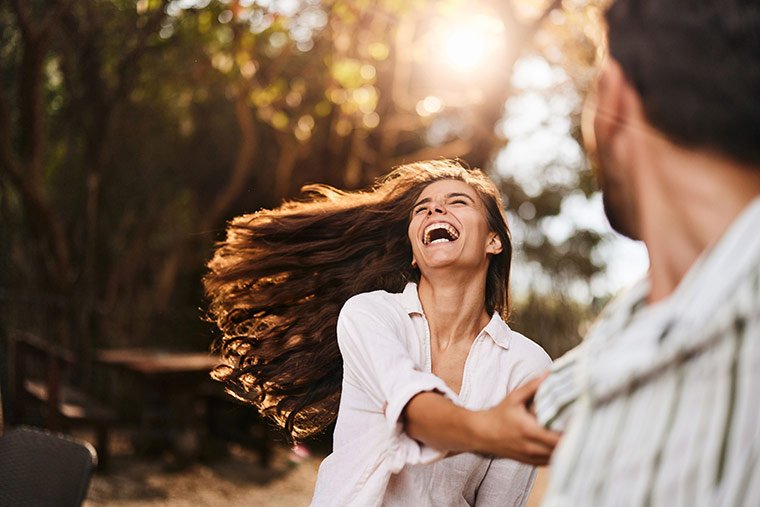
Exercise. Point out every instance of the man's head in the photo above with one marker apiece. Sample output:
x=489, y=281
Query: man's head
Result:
x=693, y=67
x=696, y=66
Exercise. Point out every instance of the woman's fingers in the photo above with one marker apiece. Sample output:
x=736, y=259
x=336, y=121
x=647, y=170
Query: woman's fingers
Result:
x=533, y=454
x=539, y=434
x=533, y=442
x=525, y=392
x=534, y=460
x=538, y=448
x=515, y=431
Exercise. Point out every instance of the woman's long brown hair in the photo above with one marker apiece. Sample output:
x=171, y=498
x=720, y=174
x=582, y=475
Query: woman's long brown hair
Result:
x=279, y=280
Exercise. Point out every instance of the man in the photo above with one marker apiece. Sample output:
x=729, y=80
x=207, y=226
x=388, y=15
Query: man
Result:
x=660, y=405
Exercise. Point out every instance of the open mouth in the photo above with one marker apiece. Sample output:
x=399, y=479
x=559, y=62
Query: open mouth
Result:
x=439, y=233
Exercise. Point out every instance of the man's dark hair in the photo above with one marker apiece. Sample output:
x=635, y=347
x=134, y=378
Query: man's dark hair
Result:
x=696, y=66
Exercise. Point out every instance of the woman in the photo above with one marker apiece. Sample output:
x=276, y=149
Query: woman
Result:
x=425, y=358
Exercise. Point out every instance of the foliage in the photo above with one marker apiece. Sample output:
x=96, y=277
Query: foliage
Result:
x=555, y=302
x=130, y=131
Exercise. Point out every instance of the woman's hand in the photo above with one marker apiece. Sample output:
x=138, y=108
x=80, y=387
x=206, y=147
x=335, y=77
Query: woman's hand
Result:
x=508, y=430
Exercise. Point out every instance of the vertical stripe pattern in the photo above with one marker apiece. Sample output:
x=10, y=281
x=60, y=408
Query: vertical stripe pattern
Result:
x=660, y=404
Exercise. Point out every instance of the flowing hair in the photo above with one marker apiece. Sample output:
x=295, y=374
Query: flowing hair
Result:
x=277, y=283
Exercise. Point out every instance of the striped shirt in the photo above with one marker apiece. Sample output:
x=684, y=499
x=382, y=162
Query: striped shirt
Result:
x=660, y=405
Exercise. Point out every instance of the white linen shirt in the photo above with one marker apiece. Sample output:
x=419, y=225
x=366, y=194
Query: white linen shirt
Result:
x=385, y=342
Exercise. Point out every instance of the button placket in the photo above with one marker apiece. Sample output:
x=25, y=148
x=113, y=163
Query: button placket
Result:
x=428, y=357
x=464, y=391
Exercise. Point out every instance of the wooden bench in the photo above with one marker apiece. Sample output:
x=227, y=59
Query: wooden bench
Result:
x=64, y=406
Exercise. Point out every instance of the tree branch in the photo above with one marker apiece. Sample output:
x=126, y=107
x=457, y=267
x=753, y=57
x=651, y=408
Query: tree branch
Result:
x=28, y=31
x=235, y=185
x=285, y=163
x=455, y=148
x=51, y=15
x=26, y=170
x=8, y=160
x=243, y=162
x=130, y=60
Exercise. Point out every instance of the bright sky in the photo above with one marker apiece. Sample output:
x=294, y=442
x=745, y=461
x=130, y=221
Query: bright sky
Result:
x=541, y=152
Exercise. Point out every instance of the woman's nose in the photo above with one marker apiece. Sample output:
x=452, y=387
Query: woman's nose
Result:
x=436, y=206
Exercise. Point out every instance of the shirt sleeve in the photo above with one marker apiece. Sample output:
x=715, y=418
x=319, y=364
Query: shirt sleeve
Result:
x=558, y=393
x=377, y=361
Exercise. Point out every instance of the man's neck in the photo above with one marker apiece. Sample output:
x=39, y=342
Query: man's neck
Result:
x=687, y=202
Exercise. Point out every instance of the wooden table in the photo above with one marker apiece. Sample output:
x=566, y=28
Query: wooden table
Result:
x=157, y=362
x=172, y=394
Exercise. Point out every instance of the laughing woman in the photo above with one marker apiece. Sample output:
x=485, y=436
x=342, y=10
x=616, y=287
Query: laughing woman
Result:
x=386, y=306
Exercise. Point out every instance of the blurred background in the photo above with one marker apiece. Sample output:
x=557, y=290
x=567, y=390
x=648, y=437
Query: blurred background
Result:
x=131, y=131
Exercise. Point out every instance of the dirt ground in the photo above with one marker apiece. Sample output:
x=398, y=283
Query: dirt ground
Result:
x=236, y=478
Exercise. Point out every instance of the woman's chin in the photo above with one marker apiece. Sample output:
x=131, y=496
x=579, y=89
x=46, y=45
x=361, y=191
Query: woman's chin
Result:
x=434, y=265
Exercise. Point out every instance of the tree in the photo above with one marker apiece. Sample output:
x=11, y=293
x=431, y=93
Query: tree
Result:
x=129, y=132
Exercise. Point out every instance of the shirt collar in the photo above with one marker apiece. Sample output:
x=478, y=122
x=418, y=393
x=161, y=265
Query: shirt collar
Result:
x=410, y=300
x=496, y=328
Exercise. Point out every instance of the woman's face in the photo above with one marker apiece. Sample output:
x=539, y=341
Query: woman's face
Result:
x=448, y=229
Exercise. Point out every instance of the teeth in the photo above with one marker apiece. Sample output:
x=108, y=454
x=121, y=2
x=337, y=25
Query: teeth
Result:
x=440, y=225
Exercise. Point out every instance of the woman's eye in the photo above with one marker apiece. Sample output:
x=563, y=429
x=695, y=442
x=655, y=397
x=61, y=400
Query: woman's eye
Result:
x=459, y=201
x=419, y=210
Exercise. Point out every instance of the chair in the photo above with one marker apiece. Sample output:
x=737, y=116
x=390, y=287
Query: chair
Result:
x=64, y=406
x=41, y=469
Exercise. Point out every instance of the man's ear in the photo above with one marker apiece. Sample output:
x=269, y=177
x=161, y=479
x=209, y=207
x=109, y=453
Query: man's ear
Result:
x=494, y=246
x=611, y=111
x=620, y=121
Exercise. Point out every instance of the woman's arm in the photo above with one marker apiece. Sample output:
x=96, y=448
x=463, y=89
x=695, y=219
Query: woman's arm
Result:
x=508, y=430
x=379, y=365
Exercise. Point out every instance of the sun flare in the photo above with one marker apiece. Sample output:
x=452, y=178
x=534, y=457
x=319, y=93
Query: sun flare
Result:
x=470, y=43
x=465, y=48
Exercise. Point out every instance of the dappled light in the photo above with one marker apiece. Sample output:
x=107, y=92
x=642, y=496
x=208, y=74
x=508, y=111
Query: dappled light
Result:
x=132, y=132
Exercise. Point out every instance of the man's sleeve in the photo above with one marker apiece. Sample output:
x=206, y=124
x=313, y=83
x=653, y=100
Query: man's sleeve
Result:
x=556, y=397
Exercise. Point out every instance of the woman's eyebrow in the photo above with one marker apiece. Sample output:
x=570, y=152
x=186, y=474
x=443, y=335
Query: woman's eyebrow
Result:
x=459, y=194
x=448, y=196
